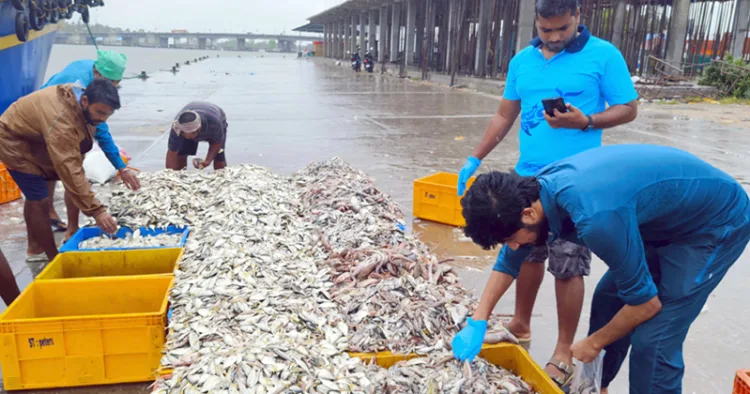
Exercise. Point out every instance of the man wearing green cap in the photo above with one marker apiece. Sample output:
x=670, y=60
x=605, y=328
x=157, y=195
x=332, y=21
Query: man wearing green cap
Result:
x=109, y=65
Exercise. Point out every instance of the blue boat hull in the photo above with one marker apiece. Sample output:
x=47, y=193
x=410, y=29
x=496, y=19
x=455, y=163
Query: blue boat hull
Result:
x=23, y=64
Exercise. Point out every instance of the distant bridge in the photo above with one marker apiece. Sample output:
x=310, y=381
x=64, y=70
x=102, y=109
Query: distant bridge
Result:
x=161, y=39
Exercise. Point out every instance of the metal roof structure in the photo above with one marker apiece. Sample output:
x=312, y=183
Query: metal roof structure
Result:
x=311, y=28
x=345, y=9
x=349, y=7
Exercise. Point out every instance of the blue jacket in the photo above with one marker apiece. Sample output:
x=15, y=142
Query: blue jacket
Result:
x=615, y=199
x=82, y=72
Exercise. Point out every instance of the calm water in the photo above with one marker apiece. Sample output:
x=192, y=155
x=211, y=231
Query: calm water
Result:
x=139, y=59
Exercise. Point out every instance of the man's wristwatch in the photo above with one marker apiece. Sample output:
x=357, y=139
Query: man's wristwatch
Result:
x=590, y=125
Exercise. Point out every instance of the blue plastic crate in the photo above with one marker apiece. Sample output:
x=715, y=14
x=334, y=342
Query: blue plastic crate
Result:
x=91, y=232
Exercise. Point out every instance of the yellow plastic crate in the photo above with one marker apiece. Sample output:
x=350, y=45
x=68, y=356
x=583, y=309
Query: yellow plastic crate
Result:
x=436, y=199
x=511, y=357
x=80, y=332
x=112, y=263
x=384, y=359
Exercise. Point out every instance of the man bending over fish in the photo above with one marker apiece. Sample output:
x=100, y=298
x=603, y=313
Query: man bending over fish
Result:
x=668, y=225
x=198, y=121
x=43, y=137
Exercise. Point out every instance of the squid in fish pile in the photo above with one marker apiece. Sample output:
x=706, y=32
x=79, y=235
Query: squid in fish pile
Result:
x=396, y=295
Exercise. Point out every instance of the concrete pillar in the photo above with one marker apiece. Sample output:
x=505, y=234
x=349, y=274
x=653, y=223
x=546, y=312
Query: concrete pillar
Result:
x=429, y=29
x=480, y=63
x=334, y=50
x=383, y=26
x=163, y=42
x=395, y=30
x=325, y=40
x=464, y=46
x=526, y=16
x=362, y=33
x=619, y=24
x=335, y=41
x=509, y=37
x=331, y=39
x=127, y=41
x=331, y=46
x=411, y=25
x=677, y=32
x=201, y=42
x=353, y=43
x=344, y=44
x=451, y=28
x=419, y=41
x=241, y=44
x=340, y=46
x=371, y=37
x=739, y=35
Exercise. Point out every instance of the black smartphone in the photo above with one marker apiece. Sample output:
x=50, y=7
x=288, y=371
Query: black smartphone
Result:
x=554, y=103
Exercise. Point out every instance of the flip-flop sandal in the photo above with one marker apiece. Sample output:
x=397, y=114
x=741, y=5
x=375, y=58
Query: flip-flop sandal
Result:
x=564, y=381
x=58, y=226
x=37, y=258
x=523, y=341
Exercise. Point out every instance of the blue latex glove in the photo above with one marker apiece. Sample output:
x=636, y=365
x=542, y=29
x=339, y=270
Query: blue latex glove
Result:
x=472, y=163
x=468, y=342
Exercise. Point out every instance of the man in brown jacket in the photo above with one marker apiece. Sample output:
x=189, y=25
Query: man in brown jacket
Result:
x=43, y=136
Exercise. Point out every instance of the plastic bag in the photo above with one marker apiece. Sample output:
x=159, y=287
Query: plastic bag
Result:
x=587, y=378
x=98, y=168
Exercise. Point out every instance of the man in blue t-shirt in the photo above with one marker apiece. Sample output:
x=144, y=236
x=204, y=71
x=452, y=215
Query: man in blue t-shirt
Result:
x=588, y=73
x=668, y=225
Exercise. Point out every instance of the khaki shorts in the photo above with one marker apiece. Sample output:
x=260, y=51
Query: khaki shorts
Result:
x=566, y=259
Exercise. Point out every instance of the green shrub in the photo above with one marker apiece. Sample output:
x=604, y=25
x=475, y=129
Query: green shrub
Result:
x=713, y=76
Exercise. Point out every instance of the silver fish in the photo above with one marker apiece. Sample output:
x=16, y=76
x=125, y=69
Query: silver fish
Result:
x=281, y=276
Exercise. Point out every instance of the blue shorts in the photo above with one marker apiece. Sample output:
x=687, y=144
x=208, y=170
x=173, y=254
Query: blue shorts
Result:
x=33, y=186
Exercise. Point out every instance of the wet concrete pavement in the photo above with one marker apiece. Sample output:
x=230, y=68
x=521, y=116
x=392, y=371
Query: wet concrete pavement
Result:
x=284, y=113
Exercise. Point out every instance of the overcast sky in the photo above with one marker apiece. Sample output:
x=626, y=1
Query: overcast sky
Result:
x=235, y=16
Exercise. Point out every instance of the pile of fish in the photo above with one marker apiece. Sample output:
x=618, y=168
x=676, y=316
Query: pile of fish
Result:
x=442, y=373
x=134, y=239
x=394, y=293
x=282, y=276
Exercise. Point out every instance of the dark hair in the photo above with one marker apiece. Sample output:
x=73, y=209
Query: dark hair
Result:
x=186, y=117
x=552, y=8
x=492, y=206
x=101, y=90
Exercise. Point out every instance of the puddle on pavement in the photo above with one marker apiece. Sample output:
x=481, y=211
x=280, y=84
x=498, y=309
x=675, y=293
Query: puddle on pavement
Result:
x=451, y=245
